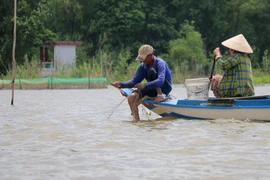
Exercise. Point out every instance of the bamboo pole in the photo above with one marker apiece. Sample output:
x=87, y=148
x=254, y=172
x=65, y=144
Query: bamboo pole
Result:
x=13, y=52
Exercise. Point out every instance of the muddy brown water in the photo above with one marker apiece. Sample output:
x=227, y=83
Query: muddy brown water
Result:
x=84, y=134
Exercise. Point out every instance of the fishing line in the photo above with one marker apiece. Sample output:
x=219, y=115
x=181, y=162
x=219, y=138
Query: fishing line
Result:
x=146, y=111
x=115, y=107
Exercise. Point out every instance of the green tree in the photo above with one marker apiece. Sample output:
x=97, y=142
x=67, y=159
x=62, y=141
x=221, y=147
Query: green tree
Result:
x=210, y=17
x=120, y=21
x=65, y=17
x=188, y=50
x=255, y=23
x=116, y=27
x=31, y=32
x=129, y=23
x=160, y=25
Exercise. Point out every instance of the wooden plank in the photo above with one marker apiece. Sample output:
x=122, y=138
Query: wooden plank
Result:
x=252, y=97
x=230, y=101
x=240, y=98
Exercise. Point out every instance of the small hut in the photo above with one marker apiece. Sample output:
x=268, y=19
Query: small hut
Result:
x=64, y=55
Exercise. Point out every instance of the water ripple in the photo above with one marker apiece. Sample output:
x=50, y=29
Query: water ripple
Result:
x=88, y=134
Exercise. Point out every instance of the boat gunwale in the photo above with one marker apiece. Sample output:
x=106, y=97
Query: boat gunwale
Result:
x=203, y=104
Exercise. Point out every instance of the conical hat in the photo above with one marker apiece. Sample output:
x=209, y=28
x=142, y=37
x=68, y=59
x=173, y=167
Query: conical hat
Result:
x=238, y=43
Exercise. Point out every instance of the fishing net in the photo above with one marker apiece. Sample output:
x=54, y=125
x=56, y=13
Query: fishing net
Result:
x=56, y=83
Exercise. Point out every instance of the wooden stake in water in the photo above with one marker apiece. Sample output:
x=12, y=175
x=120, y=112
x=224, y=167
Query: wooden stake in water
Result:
x=13, y=52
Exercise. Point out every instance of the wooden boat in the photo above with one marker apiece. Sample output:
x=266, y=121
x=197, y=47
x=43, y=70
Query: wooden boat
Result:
x=241, y=108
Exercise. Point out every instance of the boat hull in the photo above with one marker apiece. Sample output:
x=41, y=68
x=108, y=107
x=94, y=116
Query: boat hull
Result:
x=212, y=113
x=247, y=108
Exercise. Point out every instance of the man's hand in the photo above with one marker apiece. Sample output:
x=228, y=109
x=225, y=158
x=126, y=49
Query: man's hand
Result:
x=140, y=86
x=116, y=84
x=217, y=52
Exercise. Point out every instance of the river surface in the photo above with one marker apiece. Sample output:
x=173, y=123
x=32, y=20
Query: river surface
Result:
x=88, y=134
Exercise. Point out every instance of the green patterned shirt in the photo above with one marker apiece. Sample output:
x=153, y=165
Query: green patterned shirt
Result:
x=237, y=80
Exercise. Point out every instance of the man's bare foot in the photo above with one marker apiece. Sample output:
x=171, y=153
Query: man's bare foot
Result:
x=160, y=98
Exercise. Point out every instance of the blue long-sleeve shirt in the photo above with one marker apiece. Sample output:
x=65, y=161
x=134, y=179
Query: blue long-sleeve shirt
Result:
x=163, y=71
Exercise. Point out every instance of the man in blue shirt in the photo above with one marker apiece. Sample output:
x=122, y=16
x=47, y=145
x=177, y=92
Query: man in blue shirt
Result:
x=157, y=74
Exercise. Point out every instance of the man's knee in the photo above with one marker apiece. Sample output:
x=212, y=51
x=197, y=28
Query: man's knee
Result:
x=132, y=97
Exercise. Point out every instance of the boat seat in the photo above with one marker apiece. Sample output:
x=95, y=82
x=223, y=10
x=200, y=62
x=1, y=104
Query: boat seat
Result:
x=220, y=101
x=230, y=101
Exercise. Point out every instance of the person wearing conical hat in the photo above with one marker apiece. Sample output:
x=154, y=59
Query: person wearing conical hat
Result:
x=157, y=74
x=237, y=79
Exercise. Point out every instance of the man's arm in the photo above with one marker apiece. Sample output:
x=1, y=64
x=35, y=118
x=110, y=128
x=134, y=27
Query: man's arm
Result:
x=161, y=70
x=137, y=78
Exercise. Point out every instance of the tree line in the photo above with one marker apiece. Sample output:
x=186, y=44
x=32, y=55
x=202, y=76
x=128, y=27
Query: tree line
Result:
x=183, y=32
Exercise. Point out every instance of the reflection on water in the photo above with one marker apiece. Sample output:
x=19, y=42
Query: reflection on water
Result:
x=88, y=134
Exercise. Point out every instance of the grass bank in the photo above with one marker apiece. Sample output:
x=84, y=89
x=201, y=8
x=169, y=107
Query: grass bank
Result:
x=31, y=70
